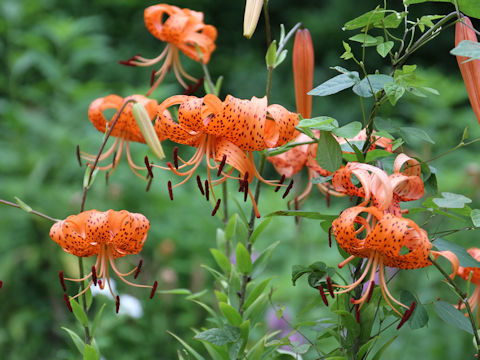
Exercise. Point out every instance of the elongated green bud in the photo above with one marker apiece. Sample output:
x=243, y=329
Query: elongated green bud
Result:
x=145, y=125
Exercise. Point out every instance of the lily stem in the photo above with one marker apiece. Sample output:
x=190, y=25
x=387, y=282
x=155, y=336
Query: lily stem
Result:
x=463, y=298
x=31, y=211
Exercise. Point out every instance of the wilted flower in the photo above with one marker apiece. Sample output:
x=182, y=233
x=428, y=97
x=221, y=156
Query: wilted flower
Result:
x=469, y=68
x=182, y=29
x=225, y=133
x=125, y=130
x=108, y=235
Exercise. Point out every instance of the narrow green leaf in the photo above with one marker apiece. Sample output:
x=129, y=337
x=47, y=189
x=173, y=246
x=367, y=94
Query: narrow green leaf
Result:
x=222, y=260
x=23, y=205
x=467, y=48
x=419, y=317
x=218, y=336
x=348, y=131
x=78, y=312
x=368, y=18
x=96, y=320
x=452, y=316
x=318, y=123
x=465, y=259
x=379, y=353
x=244, y=261
x=321, y=179
x=281, y=57
x=415, y=134
x=262, y=261
x=305, y=214
x=366, y=40
x=76, y=340
x=259, y=229
x=349, y=322
x=195, y=354
x=392, y=21
x=271, y=55
x=90, y=353
x=365, y=347
x=334, y=85
x=218, y=85
x=231, y=226
x=256, y=292
x=329, y=153
x=230, y=313
x=377, y=154
x=175, y=291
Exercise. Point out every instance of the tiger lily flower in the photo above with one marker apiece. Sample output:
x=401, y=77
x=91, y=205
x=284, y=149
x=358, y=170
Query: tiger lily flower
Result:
x=472, y=274
x=225, y=133
x=380, y=237
x=303, y=65
x=470, y=69
x=125, y=130
x=183, y=30
x=108, y=235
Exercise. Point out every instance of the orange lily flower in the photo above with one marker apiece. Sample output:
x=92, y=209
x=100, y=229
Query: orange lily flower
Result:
x=125, y=130
x=225, y=133
x=182, y=29
x=471, y=69
x=109, y=235
x=380, y=237
x=385, y=191
x=472, y=274
x=303, y=66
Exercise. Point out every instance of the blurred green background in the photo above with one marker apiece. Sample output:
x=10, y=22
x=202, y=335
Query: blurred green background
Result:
x=58, y=56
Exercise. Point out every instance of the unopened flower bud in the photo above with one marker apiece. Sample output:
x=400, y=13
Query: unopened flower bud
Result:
x=250, y=19
x=303, y=66
x=145, y=125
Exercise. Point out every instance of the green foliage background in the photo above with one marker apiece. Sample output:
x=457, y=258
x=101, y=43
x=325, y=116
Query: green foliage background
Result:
x=58, y=56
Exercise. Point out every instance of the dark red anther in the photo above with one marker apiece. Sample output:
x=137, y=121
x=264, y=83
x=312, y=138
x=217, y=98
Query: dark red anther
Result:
x=99, y=281
x=175, y=157
x=62, y=280
x=149, y=184
x=282, y=179
x=407, y=315
x=199, y=183
x=217, y=205
x=154, y=288
x=289, y=187
x=330, y=287
x=371, y=287
x=191, y=89
x=128, y=62
x=330, y=236
x=107, y=175
x=78, y=156
x=357, y=313
x=207, y=190
x=170, y=191
x=67, y=301
x=149, y=167
x=94, y=275
x=152, y=78
x=139, y=266
x=1, y=284
x=240, y=185
x=117, y=304
x=245, y=189
x=114, y=158
x=459, y=306
x=295, y=202
x=327, y=197
x=322, y=294
x=222, y=165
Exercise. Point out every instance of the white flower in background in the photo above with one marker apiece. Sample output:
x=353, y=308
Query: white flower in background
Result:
x=129, y=305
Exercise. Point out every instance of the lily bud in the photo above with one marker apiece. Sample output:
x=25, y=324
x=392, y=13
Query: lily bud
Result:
x=253, y=8
x=303, y=66
x=145, y=125
x=471, y=69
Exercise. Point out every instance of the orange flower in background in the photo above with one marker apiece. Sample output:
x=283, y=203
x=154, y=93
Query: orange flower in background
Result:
x=471, y=68
x=125, y=130
x=109, y=235
x=182, y=29
x=225, y=133
x=303, y=65
x=472, y=274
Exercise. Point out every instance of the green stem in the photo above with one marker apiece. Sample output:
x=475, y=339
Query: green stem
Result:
x=208, y=79
x=31, y=211
x=463, y=298
x=267, y=23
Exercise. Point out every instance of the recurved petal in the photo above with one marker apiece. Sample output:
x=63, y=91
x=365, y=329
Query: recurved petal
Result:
x=412, y=166
x=153, y=17
x=235, y=157
x=464, y=272
x=292, y=161
x=281, y=129
x=407, y=188
x=129, y=232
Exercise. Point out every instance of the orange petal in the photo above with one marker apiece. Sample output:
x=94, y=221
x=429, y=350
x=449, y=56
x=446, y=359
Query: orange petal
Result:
x=292, y=161
x=450, y=256
x=470, y=70
x=465, y=272
x=235, y=157
x=128, y=231
x=282, y=129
